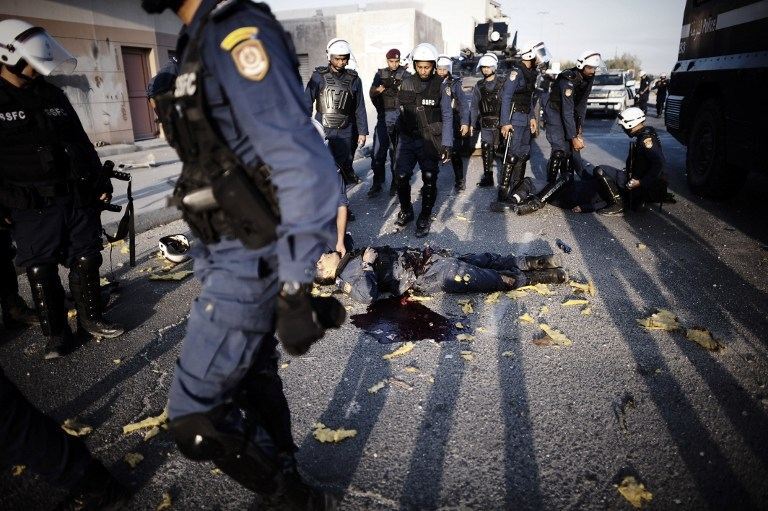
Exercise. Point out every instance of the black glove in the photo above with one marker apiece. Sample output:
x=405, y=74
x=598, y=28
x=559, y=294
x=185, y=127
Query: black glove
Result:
x=302, y=318
x=445, y=154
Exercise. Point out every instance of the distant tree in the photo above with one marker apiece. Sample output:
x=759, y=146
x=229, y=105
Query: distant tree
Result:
x=567, y=64
x=625, y=61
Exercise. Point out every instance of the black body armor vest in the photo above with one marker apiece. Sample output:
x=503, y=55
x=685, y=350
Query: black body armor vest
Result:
x=206, y=157
x=45, y=152
x=581, y=87
x=522, y=98
x=490, y=101
x=336, y=100
x=415, y=95
x=654, y=182
x=391, y=80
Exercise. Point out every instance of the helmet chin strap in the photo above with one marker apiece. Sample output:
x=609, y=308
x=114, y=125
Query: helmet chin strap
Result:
x=18, y=70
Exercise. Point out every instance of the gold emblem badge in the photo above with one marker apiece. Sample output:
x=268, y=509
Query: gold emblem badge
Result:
x=648, y=142
x=568, y=93
x=248, y=53
x=513, y=76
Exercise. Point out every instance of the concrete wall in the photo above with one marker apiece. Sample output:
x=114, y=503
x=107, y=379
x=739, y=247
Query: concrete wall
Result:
x=310, y=36
x=94, y=32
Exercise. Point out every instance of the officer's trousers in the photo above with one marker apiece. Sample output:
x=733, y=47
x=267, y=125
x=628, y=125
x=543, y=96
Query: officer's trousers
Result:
x=29, y=437
x=520, y=145
x=229, y=348
x=413, y=150
x=482, y=271
x=340, y=144
x=384, y=143
x=9, y=286
x=490, y=136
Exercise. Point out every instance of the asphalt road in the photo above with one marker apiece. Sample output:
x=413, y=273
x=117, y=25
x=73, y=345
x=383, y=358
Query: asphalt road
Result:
x=520, y=426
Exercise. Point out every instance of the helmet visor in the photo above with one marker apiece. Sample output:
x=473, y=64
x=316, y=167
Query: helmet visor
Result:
x=44, y=53
x=541, y=54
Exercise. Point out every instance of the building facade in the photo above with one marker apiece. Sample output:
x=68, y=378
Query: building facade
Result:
x=118, y=48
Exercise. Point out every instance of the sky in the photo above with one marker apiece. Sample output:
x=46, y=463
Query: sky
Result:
x=649, y=29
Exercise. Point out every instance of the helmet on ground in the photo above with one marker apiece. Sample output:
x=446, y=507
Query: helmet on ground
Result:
x=175, y=247
x=338, y=46
x=20, y=40
x=444, y=61
x=631, y=117
x=535, y=50
x=589, y=58
x=488, y=60
x=424, y=52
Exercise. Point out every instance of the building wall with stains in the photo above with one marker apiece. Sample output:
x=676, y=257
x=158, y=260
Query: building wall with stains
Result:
x=96, y=32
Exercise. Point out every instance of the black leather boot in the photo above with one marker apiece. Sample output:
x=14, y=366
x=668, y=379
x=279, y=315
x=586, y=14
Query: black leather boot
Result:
x=86, y=291
x=609, y=192
x=488, y=155
x=49, y=303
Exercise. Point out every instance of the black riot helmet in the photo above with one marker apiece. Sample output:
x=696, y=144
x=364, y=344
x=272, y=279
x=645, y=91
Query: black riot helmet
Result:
x=158, y=6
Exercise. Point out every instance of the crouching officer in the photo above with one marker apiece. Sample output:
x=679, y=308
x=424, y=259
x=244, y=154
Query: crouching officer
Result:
x=564, y=115
x=518, y=114
x=337, y=93
x=642, y=180
x=259, y=189
x=460, y=111
x=53, y=184
x=486, y=103
x=426, y=135
x=386, y=83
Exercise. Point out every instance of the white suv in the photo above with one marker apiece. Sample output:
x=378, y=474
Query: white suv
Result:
x=609, y=93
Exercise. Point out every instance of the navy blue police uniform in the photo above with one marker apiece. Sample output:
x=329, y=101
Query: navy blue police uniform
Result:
x=395, y=271
x=461, y=145
x=340, y=108
x=164, y=79
x=518, y=100
x=239, y=120
x=645, y=93
x=486, y=108
x=662, y=88
x=385, y=136
x=51, y=180
x=15, y=312
x=426, y=121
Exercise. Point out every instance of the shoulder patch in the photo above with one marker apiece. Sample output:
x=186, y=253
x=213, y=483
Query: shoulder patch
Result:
x=568, y=93
x=448, y=91
x=648, y=142
x=513, y=75
x=247, y=52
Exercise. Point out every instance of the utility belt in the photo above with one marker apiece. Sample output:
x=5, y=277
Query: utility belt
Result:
x=489, y=121
x=522, y=108
x=232, y=206
x=53, y=190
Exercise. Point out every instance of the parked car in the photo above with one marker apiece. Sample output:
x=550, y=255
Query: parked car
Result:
x=610, y=93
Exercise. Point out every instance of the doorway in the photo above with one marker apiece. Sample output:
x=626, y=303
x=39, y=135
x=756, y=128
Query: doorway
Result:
x=136, y=67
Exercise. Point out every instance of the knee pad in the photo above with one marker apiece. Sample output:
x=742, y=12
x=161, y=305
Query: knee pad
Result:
x=40, y=272
x=87, y=263
x=429, y=177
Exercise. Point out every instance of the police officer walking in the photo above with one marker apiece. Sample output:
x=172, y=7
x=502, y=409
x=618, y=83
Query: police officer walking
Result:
x=460, y=111
x=645, y=91
x=518, y=114
x=486, y=104
x=426, y=135
x=53, y=184
x=661, y=87
x=259, y=190
x=564, y=114
x=386, y=83
x=337, y=93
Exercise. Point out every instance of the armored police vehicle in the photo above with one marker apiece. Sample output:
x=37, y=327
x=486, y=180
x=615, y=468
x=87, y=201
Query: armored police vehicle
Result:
x=716, y=104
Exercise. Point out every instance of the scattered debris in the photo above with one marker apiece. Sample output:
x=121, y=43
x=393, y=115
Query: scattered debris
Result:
x=526, y=318
x=620, y=408
x=177, y=275
x=544, y=309
x=400, y=383
x=151, y=433
x=575, y=302
x=465, y=337
x=493, y=297
x=103, y=282
x=148, y=423
x=482, y=329
x=216, y=471
x=326, y=435
x=703, y=338
x=515, y=294
x=285, y=365
x=468, y=356
x=662, y=319
x=586, y=311
x=418, y=298
x=466, y=306
x=17, y=470
x=542, y=289
x=581, y=287
x=553, y=337
x=166, y=503
x=508, y=354
x=377, y=387
x=642, y=246
x=74, y=428
x=399, y=352
x=133, y=459
x=411, y=369
x=462, y=217
x=116, y=361
x=459, y=325
x=562, y=246
x=634, y=492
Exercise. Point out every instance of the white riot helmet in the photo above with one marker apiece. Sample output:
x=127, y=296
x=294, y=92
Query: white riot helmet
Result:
x=444, y=61
x=631, y=118
x=589, y=58
x=488, y=60
x=642, y=73
x=21, y=40
x=352, y=64
x=175, y=248
x=338, y=46
x=535, y=50
x=424, y=52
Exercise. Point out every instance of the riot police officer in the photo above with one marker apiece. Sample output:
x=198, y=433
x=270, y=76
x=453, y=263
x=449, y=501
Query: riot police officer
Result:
x=518, y=114
x=259, y=190
x=486, y=105
x=426, y=135
x=53, y=183
x=642, y=180
x=460, y=111
x=645, y=92
x=337, y=93
x=383, y=93
x=564, y=113
x=661, y=87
